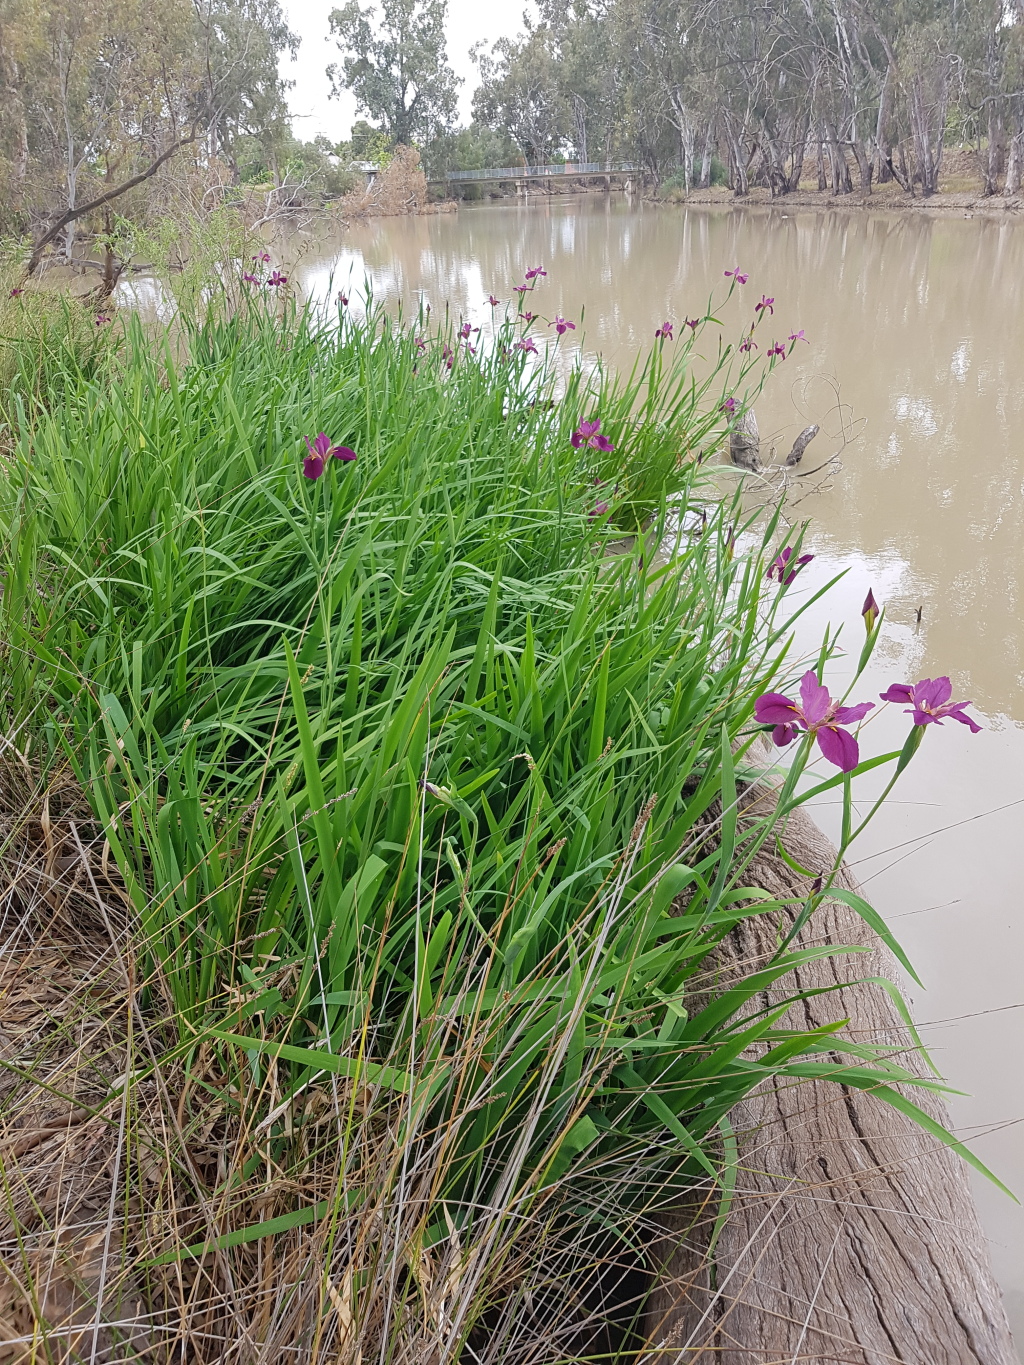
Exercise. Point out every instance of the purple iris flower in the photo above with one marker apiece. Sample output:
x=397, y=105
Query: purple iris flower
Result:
x=277, y=279
x=101, y=318
x=692, y=323
x=600, y=508
x=766, y=303
x=783, y=570
x=262, y=259
x=819, y=715
x=528, y=317
x=528, y=345
x=740, y=279
x=561, y=325
x=492, y=300
x=448, y=356
x=929, y=702
x=342, y=299
x=589, y=434
x=522, y=288
x=533, y=274
x=777, y=349
x=798, y=336
x=320, y=451
x=728, y=406
x=665, y=331
x=869, y=611
x=14, y=293
x=250, y=279
x=465, y=331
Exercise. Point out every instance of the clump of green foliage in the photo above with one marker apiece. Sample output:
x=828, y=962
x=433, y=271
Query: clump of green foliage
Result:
x=421, y=779
x=49, y=343
x=675, y=186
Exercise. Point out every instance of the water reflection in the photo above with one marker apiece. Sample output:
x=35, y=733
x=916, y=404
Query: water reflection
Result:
x=919, y=323
x=919, y=320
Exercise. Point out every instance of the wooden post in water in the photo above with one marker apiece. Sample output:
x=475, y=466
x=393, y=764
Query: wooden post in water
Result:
x=853, y=1237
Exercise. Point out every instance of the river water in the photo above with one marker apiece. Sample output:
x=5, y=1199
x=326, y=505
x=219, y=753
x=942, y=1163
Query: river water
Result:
x=915, y=328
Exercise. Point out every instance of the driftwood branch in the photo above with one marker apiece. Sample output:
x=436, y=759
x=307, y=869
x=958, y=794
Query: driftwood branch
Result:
x=70, y=215
x=853, y=1235
x=800, y=444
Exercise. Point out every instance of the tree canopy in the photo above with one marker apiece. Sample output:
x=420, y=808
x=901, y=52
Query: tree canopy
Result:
x=97, y=95
x=873, y=89
x=396, y=65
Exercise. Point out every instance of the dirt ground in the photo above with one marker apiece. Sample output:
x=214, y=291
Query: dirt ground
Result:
x=961, y=193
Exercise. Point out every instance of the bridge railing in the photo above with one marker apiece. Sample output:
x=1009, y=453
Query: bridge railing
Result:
x=531, y=172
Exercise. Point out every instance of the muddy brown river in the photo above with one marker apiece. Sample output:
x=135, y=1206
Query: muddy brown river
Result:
x=916, y=342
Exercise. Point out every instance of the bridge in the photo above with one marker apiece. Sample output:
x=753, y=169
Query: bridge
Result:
x=567, y=170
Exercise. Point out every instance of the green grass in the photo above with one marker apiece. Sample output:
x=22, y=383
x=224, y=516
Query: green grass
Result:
x=422, y=784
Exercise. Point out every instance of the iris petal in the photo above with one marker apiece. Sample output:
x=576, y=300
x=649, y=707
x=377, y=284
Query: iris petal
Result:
x=839, y=747
x=846, y=715
x=775, y=709
x=955, y=713
x=815, y=698
x=899, y=692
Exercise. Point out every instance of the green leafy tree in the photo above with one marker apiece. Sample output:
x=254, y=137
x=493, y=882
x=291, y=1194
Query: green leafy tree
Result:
x=246, y=96
x=522, y=93
x=363, y=140
x=396, y=65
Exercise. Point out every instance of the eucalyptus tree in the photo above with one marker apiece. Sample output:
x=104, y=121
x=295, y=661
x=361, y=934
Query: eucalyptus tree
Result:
x=670, y=63
x=1013, y=99
x=396, y=65
x=522, y=93
x=102, y=90
x=589, y=67
x=876, y=87
x=100, y=95
x=243, y=97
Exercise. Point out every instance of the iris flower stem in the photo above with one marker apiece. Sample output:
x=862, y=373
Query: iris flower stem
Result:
x=912, y=739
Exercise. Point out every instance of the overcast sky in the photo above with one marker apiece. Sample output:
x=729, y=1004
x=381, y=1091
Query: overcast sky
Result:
x=313, y=112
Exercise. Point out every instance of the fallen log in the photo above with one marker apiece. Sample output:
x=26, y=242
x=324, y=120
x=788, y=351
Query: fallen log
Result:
x=853, y=1235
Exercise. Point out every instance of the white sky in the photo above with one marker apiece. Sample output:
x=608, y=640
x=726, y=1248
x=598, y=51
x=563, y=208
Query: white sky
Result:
x=313, y=112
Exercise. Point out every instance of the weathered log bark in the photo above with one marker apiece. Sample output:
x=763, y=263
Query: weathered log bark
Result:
x=853, y=1237
x=801, y=443
x=745, y=443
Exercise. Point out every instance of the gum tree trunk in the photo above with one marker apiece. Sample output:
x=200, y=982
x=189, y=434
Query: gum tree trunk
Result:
x=1015, y=160
x=853, y=1237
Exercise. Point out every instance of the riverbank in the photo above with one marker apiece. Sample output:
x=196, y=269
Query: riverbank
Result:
x=883, y=199
x=911, y=322
x=382, y=789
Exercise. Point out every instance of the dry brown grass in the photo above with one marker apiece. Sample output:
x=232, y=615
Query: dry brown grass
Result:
x=401, y=188
x=119, y=1147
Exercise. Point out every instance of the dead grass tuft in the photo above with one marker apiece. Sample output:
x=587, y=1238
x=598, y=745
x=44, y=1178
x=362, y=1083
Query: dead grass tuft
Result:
x=119, y=1148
